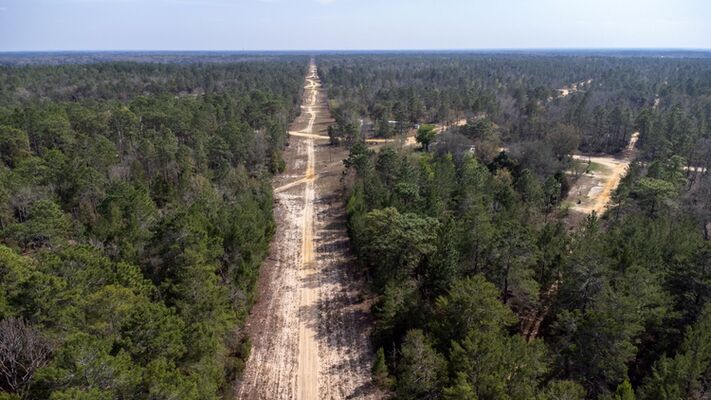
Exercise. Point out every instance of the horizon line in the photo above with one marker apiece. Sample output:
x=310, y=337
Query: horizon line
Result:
x=480, y=49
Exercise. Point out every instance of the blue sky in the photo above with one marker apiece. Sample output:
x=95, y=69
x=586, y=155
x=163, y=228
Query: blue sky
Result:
x=351, y=24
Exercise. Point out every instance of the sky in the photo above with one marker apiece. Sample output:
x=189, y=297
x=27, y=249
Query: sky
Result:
x=49, y=25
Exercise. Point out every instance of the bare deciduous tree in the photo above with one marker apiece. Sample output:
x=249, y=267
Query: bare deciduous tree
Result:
x=23, y=350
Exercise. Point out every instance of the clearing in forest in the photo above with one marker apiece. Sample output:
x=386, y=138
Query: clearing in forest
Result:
x=594, y=189
x=410, y=138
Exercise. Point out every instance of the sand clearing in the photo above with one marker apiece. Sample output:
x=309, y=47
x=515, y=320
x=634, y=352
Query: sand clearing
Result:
x=572, y=88
x=594, y=195
x=411, y=138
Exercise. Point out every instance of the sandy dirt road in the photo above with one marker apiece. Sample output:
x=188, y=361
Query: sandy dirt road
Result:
x=310, y=326
x=593, y=193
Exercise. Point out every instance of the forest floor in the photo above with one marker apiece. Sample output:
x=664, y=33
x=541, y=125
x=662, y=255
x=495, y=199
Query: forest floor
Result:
x=594, y=189
x=310, y=326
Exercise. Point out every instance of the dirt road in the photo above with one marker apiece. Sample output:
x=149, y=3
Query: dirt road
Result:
x=593, y=192
x=309, y=327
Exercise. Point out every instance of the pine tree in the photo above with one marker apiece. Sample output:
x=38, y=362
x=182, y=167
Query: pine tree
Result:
x=624, y=391
x=381, y=376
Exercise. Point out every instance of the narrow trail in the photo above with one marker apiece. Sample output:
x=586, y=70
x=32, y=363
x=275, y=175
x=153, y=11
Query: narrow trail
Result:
x=309, y=328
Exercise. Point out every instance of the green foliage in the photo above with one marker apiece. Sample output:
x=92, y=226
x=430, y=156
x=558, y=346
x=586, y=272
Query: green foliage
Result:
x=15, y=271
x=478, y=261
x=461, y=390
x=472, y=304
x=564, y=390
x=480, y=128
x=164, y=381
x=395, y=244
x=14, y=145
x=597, y=345
x=499, y=366
x=87, y=362
x=624, y=391
x=134, y=217
x=425, y=136
x=44, y=224
x=684, y=375
x=135, y=210
x=654, y=191
x=422, y=370
x=485, y=359
x=381, y=376
x=124, y=219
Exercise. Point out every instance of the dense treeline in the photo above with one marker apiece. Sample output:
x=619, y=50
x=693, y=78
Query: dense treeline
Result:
x=473, y=284
x=518, y=93
x=484, y=292
x=125, y=80
x=135, y=210
x=156, y=56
